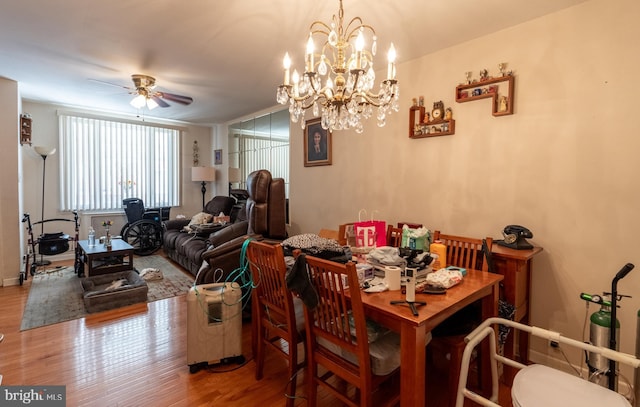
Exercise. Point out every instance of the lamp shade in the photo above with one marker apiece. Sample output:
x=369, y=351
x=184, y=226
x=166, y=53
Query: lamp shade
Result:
x=44, y=150
x=203, y=174
x=234, y=174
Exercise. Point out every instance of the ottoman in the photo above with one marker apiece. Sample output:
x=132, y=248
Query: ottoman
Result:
x=113, y=290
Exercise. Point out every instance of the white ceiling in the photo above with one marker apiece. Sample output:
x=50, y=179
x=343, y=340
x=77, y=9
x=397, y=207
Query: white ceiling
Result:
x=227, y=55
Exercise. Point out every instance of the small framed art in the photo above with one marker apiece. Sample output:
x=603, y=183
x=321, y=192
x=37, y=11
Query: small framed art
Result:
x=317, y=144
x=217, y=156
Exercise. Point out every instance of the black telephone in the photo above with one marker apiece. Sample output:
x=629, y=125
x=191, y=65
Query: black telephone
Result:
x=515, y=237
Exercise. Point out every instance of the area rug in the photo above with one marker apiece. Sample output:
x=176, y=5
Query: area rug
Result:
x=56, y=294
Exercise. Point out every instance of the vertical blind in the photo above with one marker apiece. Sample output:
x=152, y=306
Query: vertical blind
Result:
x=102, y=162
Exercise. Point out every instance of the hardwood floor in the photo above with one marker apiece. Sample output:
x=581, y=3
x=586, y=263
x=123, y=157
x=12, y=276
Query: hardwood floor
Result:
x=136, y=356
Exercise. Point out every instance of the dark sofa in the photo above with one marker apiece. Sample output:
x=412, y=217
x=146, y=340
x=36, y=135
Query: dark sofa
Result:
x=261, y=217
x=187, y=248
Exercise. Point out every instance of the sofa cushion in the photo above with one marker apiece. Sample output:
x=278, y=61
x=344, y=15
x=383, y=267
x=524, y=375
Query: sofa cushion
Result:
x=219, y=204
x=228, y=233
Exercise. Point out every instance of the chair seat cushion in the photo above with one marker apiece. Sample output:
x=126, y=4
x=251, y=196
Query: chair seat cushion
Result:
x=539, y=385
x=384, y=353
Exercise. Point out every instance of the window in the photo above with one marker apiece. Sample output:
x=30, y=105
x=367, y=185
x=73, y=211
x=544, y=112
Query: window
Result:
x=103, y=161
x=261, y=143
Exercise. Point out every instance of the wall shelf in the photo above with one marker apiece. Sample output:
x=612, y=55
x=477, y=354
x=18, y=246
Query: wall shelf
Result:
x=433, y=128
x=501, y=105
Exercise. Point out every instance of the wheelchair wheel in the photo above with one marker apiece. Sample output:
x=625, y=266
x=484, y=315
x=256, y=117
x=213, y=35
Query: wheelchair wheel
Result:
x=144, y=235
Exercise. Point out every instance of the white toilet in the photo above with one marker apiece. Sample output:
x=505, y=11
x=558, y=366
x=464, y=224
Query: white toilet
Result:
x=554, y=388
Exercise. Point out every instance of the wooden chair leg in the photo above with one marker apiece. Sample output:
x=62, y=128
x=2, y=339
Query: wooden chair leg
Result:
x=293, y=367
x=259, y=349
x=312, y=387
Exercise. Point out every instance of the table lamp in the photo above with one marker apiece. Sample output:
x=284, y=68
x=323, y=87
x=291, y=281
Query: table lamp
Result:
x=203, y=175
x=234, y=176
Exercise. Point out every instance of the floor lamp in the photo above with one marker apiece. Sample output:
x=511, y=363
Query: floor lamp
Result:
x=234, y=176
x=204, y=175
x=44, y=153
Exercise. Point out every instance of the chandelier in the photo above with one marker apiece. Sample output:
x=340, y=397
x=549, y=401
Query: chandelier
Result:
x=337, y=87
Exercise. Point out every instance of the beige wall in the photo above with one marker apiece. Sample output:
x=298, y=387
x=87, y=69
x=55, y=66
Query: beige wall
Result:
x=565, y=164
x=9, y=192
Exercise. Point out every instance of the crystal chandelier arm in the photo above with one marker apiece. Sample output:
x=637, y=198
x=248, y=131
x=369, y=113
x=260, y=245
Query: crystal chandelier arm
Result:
x=353, y=32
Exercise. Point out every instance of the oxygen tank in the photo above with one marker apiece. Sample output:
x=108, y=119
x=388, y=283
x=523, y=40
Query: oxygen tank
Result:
x=599, y=335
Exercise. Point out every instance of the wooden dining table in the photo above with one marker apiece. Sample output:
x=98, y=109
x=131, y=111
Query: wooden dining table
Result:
x=476, y=285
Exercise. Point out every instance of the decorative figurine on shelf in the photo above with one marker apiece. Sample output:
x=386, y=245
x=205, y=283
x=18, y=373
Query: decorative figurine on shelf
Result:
x=445, y=127
x=421, y=101
x=484, y=75
x=414, y=101
x=448, y=114
x=438, y=110
x=426, y=118
x=503, y=104
x=468, y=74
x=502, y=66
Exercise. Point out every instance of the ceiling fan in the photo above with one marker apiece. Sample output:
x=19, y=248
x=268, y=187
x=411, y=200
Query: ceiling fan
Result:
x=145, y=94
x=144, y=89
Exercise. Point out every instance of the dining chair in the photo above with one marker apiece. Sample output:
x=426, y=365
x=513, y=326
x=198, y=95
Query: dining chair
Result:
x=278, y=317
x=394, y=236
x=448, y=337
x=410, y=225
x=329, y=234
x=338, y=343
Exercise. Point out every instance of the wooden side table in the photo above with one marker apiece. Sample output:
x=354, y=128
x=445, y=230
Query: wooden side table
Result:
x=515, y=266
x=100, y=260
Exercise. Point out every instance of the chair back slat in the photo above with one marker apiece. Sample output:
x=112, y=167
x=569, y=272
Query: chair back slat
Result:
x=394, y=236
x=464, y=252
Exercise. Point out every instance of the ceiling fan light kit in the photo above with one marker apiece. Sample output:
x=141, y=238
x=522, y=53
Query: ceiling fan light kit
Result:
x=144, y=93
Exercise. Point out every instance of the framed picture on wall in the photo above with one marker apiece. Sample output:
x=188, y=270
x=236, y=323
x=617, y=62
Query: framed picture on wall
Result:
x=317, y=144
x=217, y=156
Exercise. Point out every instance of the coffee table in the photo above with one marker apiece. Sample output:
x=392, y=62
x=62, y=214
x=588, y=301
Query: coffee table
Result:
x=102, y=260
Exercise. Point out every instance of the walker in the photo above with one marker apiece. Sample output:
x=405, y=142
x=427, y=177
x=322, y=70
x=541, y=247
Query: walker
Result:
x=539, y=385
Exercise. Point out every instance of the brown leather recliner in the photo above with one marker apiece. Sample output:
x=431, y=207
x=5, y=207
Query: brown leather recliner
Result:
x=265, y=219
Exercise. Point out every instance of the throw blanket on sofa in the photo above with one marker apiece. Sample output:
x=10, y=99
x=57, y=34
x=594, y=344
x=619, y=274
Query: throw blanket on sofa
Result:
x=317, y=246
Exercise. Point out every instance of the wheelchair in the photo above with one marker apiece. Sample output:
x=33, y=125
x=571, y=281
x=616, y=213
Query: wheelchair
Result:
x=144, y=229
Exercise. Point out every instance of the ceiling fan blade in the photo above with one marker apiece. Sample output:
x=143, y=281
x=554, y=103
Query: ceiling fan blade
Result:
x=111, y=84
x=185, y=100
x=159, y=101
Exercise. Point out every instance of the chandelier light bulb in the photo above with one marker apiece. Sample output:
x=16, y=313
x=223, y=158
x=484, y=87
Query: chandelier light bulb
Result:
x=310, y=49
x=286, y=62
x=391, y=57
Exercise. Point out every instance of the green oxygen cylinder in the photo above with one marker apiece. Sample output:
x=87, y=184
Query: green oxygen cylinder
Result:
x=599, y=335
